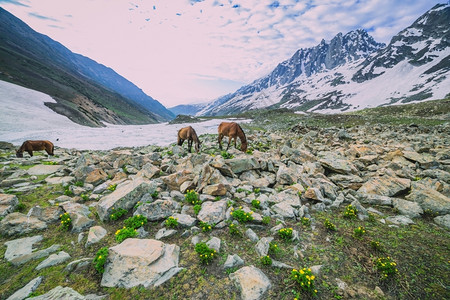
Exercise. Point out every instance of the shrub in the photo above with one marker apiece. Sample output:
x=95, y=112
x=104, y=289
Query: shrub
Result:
x=285, y=233
x=234, y=230
x=192, y=197
x=241, y=215
x=376, y=245
x=117, y=214
x=84, y=197
x=350, y=212
x=305, y=221
x=359, y=232
x=112, y=187
x=79, y=183
x=256, y=204
x=256, y=190
x=205, y=226
x=226, y=155
x=67, y=191
x=386, y=266
x=171, y=222
x=266, y=220
x=197, y=208
x=124, y=233
x=273, y=249
x=266, y=260
x=330, y=226
x=154, y=194
x=66, y=221
x=135, y=221
x=305, y=280
x=100, y=259
x=205, y=253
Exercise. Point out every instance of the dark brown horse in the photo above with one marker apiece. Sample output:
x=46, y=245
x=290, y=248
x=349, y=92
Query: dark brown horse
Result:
x=189, y=134
x=30, y=146
x=232, y=131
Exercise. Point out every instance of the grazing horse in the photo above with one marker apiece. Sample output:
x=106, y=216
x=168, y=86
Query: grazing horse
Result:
x=232, y=131
x=189, y=134
x=30, y=146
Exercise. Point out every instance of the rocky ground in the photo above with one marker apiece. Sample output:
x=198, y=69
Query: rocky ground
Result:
x=364, y=211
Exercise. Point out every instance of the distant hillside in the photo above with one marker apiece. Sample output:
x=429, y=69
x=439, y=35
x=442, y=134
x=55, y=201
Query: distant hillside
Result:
x=353, y=71
x=87, y=92
x=187, y=109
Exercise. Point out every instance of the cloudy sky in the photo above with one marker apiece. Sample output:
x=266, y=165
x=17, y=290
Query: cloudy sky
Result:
x=187, y=51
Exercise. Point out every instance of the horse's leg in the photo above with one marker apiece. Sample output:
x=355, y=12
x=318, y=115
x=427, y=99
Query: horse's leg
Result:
x=229, y=140
x=220, y=141
x=30, y=152
x=189, y=145
x=235, y=138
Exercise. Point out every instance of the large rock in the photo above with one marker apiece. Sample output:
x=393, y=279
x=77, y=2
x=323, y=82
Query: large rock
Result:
x=53, y=260
x=95, y=235
x=337, y=164
x=137, y=262
x=385, y=186
x=96, y=176
x=27, y=289
x=126, y=195
x=212, y=212
x=239, y=165
x=443, y=221
x=174, y=181
x=8, y=204
x=215, y=189
x=59, y=293
x=251, y=282
x=18, y=223
x=44, y=169
x=79, y=214
x=288, y=175
x=407, y=208
x=20, y=251
x=429, y=199
x=158, y=210
x=284, y=209
x=149, y=171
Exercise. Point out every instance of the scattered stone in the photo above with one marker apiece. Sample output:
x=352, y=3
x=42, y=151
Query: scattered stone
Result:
x=212, y=212
x=400, y=220
x=95, y=235
x=158, y=210
x=140, y=262
x=443, y=221
x=27, y=289
x=233, y=261
x=251, y=282
x=18, y=223
x=164, y=233
x=53, y=259
x=8, y=204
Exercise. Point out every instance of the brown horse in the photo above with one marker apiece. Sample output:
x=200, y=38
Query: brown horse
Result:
x=30, y=146
x=232, y=131
x=189, y=134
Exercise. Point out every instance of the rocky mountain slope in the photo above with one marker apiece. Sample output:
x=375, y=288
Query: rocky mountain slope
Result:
x=335, y=204
x=352, y=71
x=86, y=92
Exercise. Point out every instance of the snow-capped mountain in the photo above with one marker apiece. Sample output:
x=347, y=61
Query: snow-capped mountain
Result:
x=353, y=71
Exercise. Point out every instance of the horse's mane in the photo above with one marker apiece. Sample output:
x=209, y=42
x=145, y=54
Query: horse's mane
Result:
x=243, y=133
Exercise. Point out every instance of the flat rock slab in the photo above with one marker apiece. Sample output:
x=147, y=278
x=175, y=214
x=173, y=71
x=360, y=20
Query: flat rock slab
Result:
x=17, y=224
x=8, y=204
x=252, y=282
x=53, y=259
x=20, y=251
x=95, y=235
x=26, y=290
x=44, y=169
x=126, y=195
x=143, y=262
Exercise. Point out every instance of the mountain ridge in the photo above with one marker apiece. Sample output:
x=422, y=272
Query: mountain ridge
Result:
x=352, y=71
x=87, y=92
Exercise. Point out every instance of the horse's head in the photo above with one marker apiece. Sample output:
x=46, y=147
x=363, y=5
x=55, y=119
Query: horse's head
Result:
x=197, y=146
x=244, y=147
x=19, y=154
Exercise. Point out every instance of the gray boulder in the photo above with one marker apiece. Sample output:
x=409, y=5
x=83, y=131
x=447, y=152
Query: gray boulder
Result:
x=158, y=210
x=212, y=212
x=20, y=251
x=8, y=204
x=443, y=221
x=137, y=262
x=79, y=214
x=18, y=223
x=26, y=290
x=95, y=235
x=53, y=259
x=125, y=196
x=251, y=282
x=385, y=186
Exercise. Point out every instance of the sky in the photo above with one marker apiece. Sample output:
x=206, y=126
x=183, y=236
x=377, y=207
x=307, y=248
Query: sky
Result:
x=193, y=51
